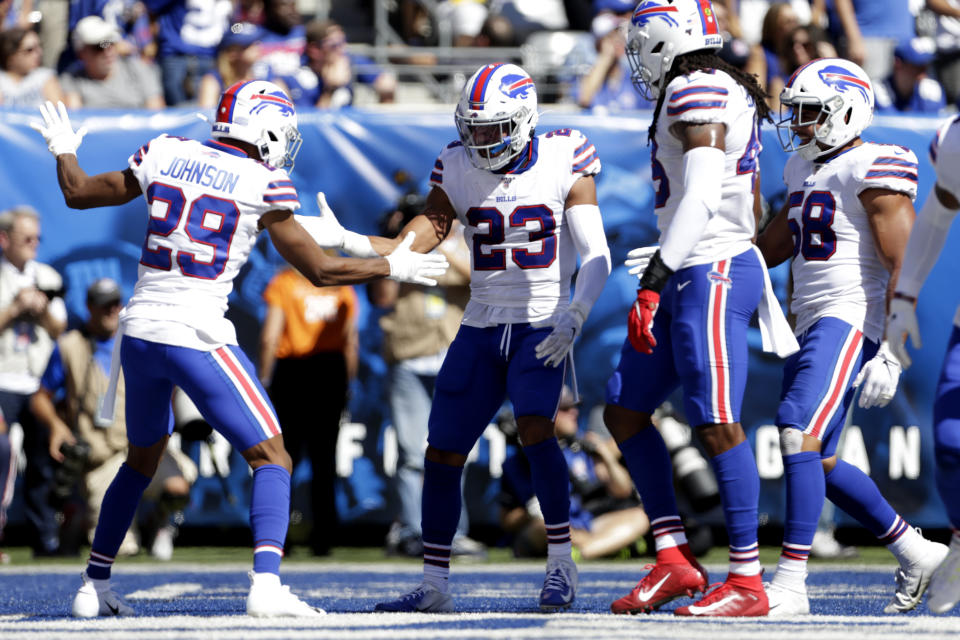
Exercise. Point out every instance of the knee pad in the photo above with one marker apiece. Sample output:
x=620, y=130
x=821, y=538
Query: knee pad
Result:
x=791, y=441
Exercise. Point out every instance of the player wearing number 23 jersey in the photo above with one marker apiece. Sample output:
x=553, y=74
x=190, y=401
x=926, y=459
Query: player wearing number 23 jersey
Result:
x=206, y=202
x=528, y=206
x=848, y=213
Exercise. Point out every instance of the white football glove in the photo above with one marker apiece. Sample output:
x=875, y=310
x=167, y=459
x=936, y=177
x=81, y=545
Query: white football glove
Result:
x=325, y=229
x=879, y=377
x=639, y=258
x=901, y=320
x=56, y=129
x=566, y=327
x=418, y=268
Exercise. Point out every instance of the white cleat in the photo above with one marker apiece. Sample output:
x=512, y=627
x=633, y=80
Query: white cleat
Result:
x=96, y=598
x=913, y=579
x=943, y=592
x=270, y=599
x=426, y=598
x=786, y=602
x=559, y=585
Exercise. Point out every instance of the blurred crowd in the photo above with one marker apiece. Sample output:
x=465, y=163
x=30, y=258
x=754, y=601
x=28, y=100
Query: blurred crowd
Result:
x=156, y=53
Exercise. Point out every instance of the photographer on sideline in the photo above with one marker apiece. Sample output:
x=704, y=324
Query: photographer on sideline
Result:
x=72, y=385
x=32, y=315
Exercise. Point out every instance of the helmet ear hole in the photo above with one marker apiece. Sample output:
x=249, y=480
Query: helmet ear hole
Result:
x=847, y=115
x=657, y=48
x=273, y=136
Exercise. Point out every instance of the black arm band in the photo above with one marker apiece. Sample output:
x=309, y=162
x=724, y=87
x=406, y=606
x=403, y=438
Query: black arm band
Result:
x=656, y=274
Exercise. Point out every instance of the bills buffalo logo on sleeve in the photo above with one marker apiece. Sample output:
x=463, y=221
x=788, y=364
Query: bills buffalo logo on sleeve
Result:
x=844, y=80
x=516, y=86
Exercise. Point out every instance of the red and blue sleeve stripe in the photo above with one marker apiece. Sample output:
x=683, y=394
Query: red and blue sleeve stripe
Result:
x=142, y=151
x=696, y=104
x=583, y=157
x=698, y=90
x=437, y=175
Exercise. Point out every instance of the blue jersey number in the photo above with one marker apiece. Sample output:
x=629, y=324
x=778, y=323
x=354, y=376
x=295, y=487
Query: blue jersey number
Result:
x=496, y=259
x=814, y=238
x=748, y=161
x=659, y=175
x=211, y=222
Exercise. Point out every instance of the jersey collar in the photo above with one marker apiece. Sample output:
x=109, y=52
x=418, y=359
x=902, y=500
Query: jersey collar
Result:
x=226, y=148
x=524, y=161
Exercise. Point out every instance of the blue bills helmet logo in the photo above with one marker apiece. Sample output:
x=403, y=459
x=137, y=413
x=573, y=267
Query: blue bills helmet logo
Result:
x=516, y=86
x=648, y=11
x=272, y=100
x=843, y=80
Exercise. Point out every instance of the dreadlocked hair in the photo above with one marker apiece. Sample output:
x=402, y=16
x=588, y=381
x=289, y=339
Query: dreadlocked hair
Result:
x=705, y=60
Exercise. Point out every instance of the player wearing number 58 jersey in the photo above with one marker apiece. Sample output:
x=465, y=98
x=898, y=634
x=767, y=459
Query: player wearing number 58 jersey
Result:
x=688, y=325
x=845, y=223
x=206, y=203
x=528, y=206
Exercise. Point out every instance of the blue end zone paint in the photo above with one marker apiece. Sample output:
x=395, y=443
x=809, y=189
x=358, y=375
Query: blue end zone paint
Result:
x=497, y=601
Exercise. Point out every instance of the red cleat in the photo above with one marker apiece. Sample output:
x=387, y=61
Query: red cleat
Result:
x=737, y=597
x=667, y=581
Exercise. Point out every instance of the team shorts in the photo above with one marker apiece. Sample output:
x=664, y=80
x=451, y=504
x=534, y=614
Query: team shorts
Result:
x=701, y=333
x=482, y=367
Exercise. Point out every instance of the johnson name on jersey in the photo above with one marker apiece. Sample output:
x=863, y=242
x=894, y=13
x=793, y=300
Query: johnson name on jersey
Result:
x=709, y=97
x=204, y=200
x=522, y=257
x=836, y=269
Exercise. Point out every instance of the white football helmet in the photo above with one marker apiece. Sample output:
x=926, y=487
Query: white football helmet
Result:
x=834, y=97
x=496, y=115
x=259, y=112
x=661, y=30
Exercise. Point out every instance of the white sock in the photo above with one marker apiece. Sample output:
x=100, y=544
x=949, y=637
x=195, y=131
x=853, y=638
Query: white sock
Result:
x=907, y=547
x=791, y=574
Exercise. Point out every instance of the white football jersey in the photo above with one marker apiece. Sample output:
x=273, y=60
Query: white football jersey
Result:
x=709, y=97
x=522, y=256
x=836, y=269
x=204, y=202
x=945, y=158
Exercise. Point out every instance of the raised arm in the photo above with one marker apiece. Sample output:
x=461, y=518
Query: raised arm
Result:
x=81, y=191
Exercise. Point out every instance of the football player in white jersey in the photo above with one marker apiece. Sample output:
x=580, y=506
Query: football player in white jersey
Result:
x=206, y=203
x=926, y=243
x=688, y=326
x=845, y=223
x=528, y=205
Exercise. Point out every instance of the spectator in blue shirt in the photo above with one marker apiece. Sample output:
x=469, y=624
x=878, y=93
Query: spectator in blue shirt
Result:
x=908, y=89
x=328, y=73
x=187, y=39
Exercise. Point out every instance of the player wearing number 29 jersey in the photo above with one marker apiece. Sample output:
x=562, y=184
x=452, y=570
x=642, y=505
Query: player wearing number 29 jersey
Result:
x=206, y=202
x=848, y=213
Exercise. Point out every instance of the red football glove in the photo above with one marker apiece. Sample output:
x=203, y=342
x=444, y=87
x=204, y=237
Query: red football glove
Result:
x=640, y=321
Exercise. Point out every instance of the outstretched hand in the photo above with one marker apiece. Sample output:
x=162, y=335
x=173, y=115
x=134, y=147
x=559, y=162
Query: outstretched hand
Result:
x=901, y=321
x=418, y=268
x=638, y=259
x=57, y=130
